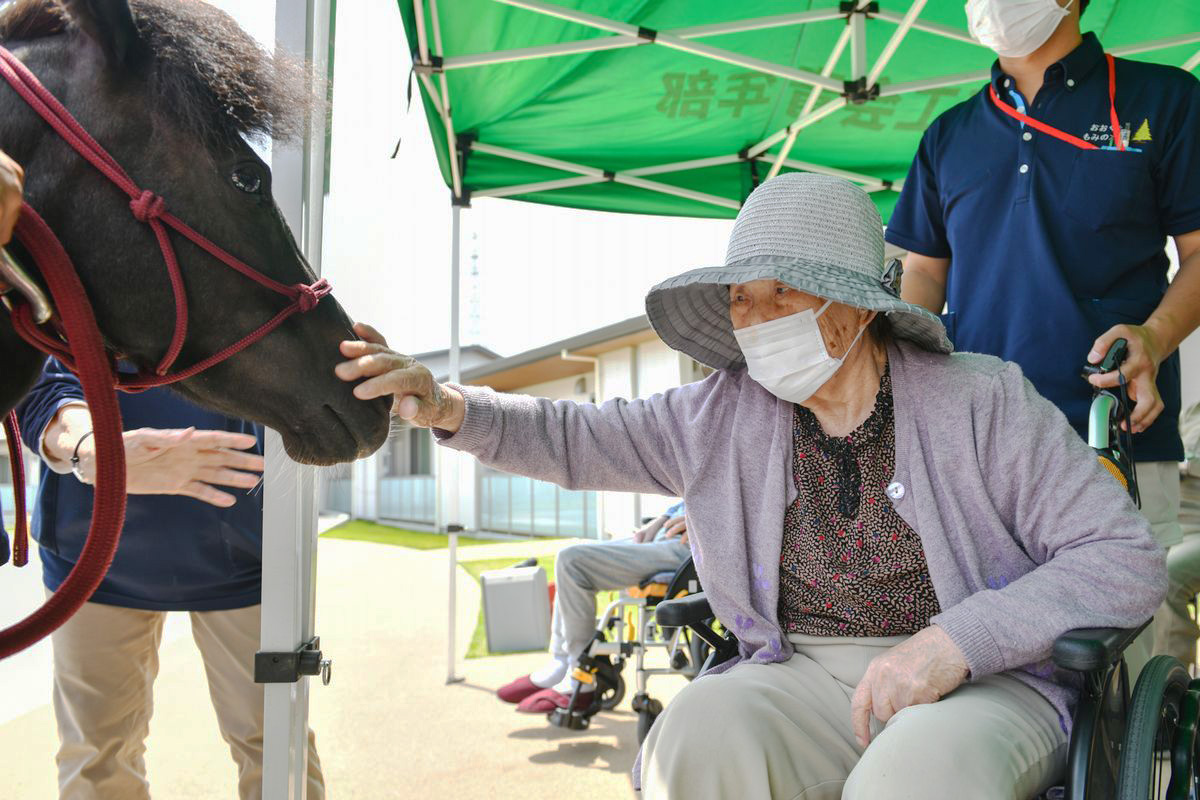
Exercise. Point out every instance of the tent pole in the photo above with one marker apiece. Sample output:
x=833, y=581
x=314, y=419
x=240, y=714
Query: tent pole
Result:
x=893, y=44
x=666, y=39
x=1155, y=44
x=289, y=495
x=811, y=101
x=622, y=40
x=858, y=44
x=945, y=31
x=1191, y=63
x=454, y=506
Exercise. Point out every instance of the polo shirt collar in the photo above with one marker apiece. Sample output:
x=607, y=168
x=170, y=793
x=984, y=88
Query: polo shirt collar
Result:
x=1077, y=64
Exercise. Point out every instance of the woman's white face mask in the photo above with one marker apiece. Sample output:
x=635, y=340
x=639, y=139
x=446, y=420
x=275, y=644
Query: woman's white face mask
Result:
x=787, y=356
x=1014, y=28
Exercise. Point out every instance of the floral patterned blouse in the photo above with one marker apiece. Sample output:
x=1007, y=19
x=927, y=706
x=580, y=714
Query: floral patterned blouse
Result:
x=850, y=565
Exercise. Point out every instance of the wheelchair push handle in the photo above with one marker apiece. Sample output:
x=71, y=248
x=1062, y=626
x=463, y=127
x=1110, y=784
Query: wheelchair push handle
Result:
x=1115, y=356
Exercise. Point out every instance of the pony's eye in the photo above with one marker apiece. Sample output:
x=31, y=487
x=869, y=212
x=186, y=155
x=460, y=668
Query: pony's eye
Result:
x=246, y=179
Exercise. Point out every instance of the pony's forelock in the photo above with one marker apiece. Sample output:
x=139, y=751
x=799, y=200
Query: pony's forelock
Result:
x=209, y=75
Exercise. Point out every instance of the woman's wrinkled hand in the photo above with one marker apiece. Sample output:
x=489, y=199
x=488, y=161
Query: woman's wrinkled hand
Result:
x=12, y=189
x=922, y=669
x=418, y=398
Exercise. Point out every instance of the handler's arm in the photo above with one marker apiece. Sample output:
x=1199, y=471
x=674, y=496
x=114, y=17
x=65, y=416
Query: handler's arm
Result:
x=924, y=281
x=618, y=446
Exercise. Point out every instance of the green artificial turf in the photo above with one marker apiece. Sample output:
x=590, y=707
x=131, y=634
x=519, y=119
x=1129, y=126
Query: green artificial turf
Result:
x=478, y=647
x=362, y=531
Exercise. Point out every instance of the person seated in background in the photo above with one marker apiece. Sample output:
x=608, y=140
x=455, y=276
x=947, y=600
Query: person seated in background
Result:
x=1175, y=630
x=896, y=534
x=580, y=572
x=192, y=541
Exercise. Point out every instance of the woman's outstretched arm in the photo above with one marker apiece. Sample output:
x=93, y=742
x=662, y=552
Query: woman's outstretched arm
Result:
x=619, y=446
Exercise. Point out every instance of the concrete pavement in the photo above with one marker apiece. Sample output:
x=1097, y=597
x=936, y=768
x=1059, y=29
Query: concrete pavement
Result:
x=388, y=726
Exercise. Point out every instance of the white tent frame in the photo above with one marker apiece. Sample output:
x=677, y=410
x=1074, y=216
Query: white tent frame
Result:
x=684, y=39
x=432, y=62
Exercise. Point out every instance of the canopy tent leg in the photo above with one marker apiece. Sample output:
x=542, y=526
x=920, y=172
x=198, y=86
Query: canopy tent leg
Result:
x=289, y=495
x=453, y=508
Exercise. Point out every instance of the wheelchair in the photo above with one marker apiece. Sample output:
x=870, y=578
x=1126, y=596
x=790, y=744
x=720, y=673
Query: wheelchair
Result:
x=1124, y=746
x=629, y=630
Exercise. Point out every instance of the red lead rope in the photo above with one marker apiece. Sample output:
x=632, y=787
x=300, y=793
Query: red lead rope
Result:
x=16, y=458
x=95, y=375
x=150, y=209
x=1062, y=135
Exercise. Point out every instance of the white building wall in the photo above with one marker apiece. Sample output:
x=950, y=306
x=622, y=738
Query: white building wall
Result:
x=563, y=388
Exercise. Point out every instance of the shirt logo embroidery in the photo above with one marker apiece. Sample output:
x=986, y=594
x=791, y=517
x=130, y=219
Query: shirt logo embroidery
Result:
x=1143, y=132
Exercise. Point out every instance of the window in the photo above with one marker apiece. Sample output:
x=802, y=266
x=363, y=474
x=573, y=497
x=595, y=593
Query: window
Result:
x=408, y=452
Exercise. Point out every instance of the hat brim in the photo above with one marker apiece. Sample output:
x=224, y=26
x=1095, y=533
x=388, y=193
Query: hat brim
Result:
x=690, y=312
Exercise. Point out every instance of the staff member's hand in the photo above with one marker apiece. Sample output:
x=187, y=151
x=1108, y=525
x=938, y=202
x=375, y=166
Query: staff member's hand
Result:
x=922, y=669
x=186, y=462
x=418, y=398
x=12, y=189
x=1140, y=368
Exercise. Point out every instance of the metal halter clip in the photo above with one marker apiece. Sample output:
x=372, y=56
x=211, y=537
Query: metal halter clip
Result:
x=13, y=276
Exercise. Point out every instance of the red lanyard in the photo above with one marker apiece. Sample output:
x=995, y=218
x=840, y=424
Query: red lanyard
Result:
x=1066, y=137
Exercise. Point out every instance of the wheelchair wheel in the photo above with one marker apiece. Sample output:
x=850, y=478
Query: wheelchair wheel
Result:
x=1156, y=721
x=611, y=696
x=646, y=717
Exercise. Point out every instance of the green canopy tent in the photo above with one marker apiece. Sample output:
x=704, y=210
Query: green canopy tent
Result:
x=681, y=107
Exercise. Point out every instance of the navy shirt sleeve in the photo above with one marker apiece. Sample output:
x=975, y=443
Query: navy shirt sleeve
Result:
x=1176, y=172
x=917, y=222
x=56, y=387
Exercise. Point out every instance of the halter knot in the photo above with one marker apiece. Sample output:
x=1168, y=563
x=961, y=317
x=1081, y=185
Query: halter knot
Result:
x=147, y=206
x=308, y=296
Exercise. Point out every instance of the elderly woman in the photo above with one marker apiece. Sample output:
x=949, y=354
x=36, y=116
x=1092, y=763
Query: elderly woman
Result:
x=895, y=534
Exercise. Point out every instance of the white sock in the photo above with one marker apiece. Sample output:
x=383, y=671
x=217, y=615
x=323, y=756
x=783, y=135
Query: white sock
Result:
x=551, y=673
x=568, y=684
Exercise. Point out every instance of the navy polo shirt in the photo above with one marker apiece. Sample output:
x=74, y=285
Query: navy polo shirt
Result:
x=1050, y=244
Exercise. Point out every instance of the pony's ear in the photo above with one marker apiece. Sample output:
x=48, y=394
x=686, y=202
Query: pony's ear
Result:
x=108, y=23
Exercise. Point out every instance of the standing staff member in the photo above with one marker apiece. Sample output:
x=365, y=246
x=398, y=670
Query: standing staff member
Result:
x=1038, y=212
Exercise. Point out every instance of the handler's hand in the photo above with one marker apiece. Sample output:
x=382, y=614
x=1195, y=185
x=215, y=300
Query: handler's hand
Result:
x=922, y=669
x=676, y=526
x=419, y=399
x=1140, y=368
x=186, y=462
x=12, y=187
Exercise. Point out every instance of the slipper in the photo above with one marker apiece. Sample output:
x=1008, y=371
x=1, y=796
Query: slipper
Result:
x=518, y=690
x=547, y=700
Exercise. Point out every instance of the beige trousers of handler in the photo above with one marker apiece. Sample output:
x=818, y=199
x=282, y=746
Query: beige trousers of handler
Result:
x=105, y=662
x=1158, y=485
x=783, y=731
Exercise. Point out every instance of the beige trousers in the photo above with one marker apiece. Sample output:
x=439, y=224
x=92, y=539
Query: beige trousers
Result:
x=105, y=662
x=1158, y=485
x=1174, y=631
x=783, y=731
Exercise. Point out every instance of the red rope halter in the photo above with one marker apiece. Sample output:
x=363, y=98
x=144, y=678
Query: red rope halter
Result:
x=75, y=339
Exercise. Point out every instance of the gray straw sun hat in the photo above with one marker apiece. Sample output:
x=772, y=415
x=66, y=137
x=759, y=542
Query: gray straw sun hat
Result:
x=815, y=233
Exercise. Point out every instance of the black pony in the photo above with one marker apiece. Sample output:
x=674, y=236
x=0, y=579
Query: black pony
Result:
x=174, y=89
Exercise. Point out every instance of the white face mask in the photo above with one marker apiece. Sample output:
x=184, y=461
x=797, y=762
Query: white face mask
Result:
x=1014, y=28
x=787, y=356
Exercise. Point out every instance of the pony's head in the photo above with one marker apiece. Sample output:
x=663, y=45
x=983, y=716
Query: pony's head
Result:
x=176, y=92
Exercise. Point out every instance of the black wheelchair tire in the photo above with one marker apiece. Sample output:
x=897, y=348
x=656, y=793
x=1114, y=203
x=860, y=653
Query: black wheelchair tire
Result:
x=611, y=697
x=646, y=719
x=1154, y=716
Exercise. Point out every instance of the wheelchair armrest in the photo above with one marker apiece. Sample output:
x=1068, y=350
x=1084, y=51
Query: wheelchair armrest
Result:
x=1090, y=649
x=689, y=610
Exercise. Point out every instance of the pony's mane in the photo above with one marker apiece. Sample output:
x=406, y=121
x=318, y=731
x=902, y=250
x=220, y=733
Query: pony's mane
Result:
x=209, y=74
